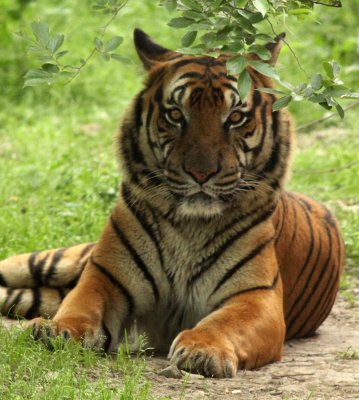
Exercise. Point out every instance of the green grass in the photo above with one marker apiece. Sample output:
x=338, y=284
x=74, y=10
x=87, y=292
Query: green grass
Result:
x=28, y=370
x=59, y=178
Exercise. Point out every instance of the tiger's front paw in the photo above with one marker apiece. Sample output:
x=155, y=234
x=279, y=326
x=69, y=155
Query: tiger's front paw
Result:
x=204, y=353
x=44, y=330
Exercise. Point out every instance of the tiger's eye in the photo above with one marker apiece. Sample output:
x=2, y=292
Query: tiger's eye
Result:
x=235, y=117
x=175, y=115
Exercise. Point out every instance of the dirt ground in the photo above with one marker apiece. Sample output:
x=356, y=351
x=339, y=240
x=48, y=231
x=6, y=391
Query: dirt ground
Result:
x=317, y=368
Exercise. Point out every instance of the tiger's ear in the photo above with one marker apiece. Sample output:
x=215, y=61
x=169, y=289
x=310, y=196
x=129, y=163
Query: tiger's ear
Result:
x=274, y=48
x=149, y=52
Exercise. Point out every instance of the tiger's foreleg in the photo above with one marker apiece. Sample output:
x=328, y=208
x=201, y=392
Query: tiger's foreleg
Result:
x=82, y=315
x=103, y=305
x=246, y=332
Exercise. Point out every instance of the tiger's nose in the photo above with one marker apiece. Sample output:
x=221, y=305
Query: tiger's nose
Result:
x=201, y=176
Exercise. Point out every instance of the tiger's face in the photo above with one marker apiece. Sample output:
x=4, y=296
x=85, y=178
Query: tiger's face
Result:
x=200, y=143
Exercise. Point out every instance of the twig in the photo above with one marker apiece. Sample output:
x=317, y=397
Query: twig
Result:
x=94, y=50
x=290, y=49
x=336, y=4
x=322, y=119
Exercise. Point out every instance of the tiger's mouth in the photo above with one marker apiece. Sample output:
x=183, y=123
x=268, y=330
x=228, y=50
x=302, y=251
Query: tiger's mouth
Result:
x=200, y=204
x=200, y=197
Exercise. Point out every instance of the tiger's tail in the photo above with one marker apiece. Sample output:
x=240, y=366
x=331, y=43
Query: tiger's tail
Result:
x=34, y=284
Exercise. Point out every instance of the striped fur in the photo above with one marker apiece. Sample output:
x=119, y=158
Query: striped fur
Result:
x=204, y=249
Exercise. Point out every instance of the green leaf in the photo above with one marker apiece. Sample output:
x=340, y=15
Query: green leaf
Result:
x=340, y=110
x=245, y=23
x=120, y=58
x=262, y=6
x=308, y=91
x=282, y=102
x=244, y=84
x=113, y=43
x=316, y=81
x=51, y=68
x=192, y=4
x=328, y=69
x=180, y=22
x=56, y=42
x=236, y=64
x=353, y=96
x=300, y=11
x=261, y=51
x=264, y=69
x=170, y=5
x=37, y=74
x=336, y=68
x=270, y=91
x=40, y=31
x=336, y=91
x=189, y=38
x=36, y=82
x=192, y=14
x=98, y=43
x=60, y=54
x=208, y=38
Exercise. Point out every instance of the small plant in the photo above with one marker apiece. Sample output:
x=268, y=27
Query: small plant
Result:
x=349, y=354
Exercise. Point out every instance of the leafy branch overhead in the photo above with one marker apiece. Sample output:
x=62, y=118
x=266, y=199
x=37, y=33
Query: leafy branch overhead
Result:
x=47, y=48
x=242, y=27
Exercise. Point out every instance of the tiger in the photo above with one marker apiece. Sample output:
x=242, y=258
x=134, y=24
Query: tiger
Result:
x=205, y=252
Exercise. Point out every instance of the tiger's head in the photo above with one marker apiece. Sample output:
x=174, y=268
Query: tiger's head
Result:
x=190, y=144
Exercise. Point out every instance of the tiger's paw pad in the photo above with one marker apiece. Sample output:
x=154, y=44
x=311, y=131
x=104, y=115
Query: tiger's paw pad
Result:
x=203, y=357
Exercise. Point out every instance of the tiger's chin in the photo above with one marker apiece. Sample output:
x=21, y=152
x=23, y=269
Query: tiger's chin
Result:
x=200, y=206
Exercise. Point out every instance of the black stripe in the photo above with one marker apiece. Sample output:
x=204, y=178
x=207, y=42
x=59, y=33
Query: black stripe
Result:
x=206, y=61
x=315, y=288
x=2, y=280
x=136, y=258
x=126, y=193
x=33, y=311
x=230, y=87
x=294, y=224
x=241, y=263
x=269, y=210
x=11, y=313
x=138, y=110
x=207, y=263
x=330, y=286
x=73, y=282
x=86, y=249
x=108, y=336
x=62, y=293
x=284, y=212
x=118, y=285
x=192, y=74
x=311, y=245
x=304, y=291
x=253, y=289
x=257, y=99
x=52, y=268
x=35, y=273
x=229, y=77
